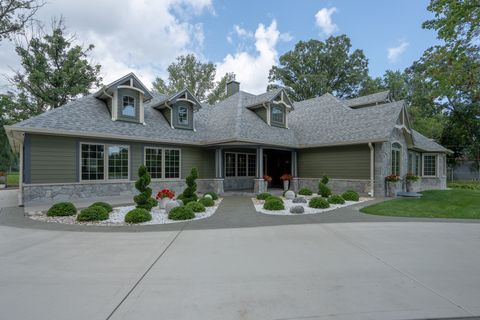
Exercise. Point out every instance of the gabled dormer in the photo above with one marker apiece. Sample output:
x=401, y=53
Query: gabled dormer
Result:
x=179, y=109
x=273, y=107
x=403, y=124
x=125, y=98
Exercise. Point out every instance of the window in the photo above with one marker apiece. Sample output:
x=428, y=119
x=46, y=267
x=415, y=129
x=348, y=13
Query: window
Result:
x=410, y=163
x=230, y=164
x=172, y=163
x=429, y=165
x=396, y=158
x=92, y=161
x=153, y=162
x=128, y=106
x=252, y=165
x=183, y=115
x=418, y=164
x=117, y=162
x=93, y=158
x=414, y=163
x=278, y=114
x=240, y=164
x=162, y=163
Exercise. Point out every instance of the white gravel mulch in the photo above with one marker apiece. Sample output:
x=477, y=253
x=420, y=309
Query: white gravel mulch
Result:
x=288, y=204
x=117, y=216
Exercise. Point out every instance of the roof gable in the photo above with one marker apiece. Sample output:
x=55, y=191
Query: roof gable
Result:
x=129, y=81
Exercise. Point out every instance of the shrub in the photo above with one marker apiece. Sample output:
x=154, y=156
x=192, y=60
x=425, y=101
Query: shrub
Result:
x=263, y=195
x=196, y=206
x=62, y=209
x=104, y=205
x=318, y=203
x=213, y=194
x=181, y=213
x=324, y=180
x=465, y=185
x=411, y=177
x=189, y=194
x=207, y=202
x=323, y=190
x=350, y=196
x=274, y=197
x=305, y=192
x=273, y=204
x=138, y=216
x=93, y=213
x=144, y=200
x=336, y=199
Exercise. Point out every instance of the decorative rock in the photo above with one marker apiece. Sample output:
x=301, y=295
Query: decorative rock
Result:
x=208, y=196
x=180, y=202
x=299, y=200
x=297, y=209
x=171, y=204
x=289, y=195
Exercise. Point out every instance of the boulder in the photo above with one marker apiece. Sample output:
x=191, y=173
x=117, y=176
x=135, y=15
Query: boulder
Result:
x=180, y=202
x=208, y=196
x=297, y=209
x=299, y=200
x=290, y=195
x=171, y=204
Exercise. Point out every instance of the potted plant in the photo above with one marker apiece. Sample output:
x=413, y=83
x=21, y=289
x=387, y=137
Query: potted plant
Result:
x=286, y=180
x=266, y=179
x=411, y=182
x=393, y=184
x=163, y=196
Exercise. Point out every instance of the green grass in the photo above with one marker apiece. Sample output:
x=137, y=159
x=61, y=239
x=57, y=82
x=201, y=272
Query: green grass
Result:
x=454, y=204
x=12, y=179
x=472, y=185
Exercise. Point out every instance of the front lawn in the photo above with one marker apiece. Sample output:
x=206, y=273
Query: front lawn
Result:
x=455, y=204
x=12, y=179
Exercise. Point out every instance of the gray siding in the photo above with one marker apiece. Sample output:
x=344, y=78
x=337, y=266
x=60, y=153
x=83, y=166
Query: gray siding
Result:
x=342, y=162
x=262, y=113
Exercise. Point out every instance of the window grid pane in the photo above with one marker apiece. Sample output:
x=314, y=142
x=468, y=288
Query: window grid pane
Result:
x=117, y=162
x=128, y=106
x=182, y=115
x=241, y=165
x=277, y=114
x=252, y=165
x=92, y=158
x=396, y=162
x=430, y=165
x=153, y=162
x=230, y=164
x=172, y=163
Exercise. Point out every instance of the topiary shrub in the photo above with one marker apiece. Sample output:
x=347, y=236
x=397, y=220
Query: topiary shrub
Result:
x=263, y=195
x=189, y=194
x=336, y=199
x=273, y=204
x=318, y=203
x=305, y=192
x=104, y=205
x=351, y=195
x=274, y=197
x=144, y=200
x=138, y=216
x=207, y=202
x=213, y=194
x=181, y=213
x=93, y=213
x=62, y=209
x=196, y=206
x=323, y=190
x=324, y=180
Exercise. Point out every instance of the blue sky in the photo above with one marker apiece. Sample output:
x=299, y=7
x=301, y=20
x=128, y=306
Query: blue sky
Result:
x=245, y=37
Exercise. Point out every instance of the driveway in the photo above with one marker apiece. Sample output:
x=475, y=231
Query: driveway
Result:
x=8, y=198
x=349, y=270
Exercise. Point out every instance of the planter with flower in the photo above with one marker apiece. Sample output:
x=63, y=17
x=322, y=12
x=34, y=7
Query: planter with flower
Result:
x=286, y=180
x=412, y=183
x=394, y=184
x=266, y=180
x=163, y=196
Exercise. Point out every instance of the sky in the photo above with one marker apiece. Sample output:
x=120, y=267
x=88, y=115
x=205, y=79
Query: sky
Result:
x=244, y=37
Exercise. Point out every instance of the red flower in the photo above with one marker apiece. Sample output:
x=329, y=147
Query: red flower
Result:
x=392, y=178
x=286, y=177
x=267, y=178
x=165, y=193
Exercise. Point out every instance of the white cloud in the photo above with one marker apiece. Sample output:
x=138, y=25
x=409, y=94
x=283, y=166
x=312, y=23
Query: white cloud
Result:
x=252, y=69
x=323, y=19
x=394, y=53
x=242, y=32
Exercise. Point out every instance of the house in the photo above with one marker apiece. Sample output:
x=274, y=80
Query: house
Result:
x=92, y=147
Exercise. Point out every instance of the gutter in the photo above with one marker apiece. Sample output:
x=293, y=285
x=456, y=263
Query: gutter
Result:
x=372, y=169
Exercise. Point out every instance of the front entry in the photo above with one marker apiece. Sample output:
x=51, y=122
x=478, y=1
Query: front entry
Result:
x=276, y=163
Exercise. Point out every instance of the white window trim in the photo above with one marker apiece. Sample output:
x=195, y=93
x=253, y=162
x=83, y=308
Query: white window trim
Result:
x=134, y=106
x=284, y=115
x=392, y=148
x=178, y=116
x=105, y=161
x=236, y=164
x=436, y=165
x=163, y=162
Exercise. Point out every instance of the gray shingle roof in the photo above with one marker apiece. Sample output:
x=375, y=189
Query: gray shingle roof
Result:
x=371, y=99
x=255, y=100
x=426, y=144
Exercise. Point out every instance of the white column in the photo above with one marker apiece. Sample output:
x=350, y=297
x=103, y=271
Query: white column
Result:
x=259, y=162
x=20, y=177
x=218, y=163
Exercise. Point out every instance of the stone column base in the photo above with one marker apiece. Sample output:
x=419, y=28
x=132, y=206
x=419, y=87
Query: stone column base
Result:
x=294, y=184
x=259, y=186
x=218, y=186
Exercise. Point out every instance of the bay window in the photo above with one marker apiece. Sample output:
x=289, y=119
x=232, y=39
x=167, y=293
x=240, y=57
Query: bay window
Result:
x=429, y=165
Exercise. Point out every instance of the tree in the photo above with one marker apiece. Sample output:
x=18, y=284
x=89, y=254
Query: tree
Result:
x=314, y=68
x=54, y=70
x=15, y=15
x=196, y=76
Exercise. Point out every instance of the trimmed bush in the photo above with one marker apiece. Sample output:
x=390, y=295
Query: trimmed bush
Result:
x=104, y=205
x=181, y=213
x=273, y=204
x=62, y=209
x=324, y=180
x=263, y=196
x=323, y=190
x=336, y=199
x=213, y=194
x=196, y=206
x=144, y=200
x=138, y=216
x=189, y=194
x=274, y=197
x=207, y=202
x=318, y=203
x=305, y=192
x=350, y=195
x=93, y=213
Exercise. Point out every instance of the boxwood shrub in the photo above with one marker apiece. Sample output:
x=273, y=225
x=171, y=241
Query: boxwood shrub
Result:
x=263, y=195
x=318, y=203
x=104, y=205
x=138, y=215
x=273, y=204
x=207, y=202
x=62, y=209
x=93, y=213
x=336, y=199
x=196, y=206
x=323, y=190
x=181, y=213
x=350, y=195
x=305, y=192
x=213, y=194
x=274, y=197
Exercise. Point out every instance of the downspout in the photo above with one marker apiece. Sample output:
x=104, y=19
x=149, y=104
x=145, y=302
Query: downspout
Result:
x=372, y=169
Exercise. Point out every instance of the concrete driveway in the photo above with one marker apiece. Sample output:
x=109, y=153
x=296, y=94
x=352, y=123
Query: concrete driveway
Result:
x=365, y=270
x=8, y=198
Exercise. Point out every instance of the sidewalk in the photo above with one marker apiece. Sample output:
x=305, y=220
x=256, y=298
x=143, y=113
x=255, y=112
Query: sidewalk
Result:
x=8, y=198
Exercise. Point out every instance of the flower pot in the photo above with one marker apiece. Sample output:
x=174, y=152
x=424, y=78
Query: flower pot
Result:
x=163, y=202
x=393, y=187
x=285, y=184
x=412, y=186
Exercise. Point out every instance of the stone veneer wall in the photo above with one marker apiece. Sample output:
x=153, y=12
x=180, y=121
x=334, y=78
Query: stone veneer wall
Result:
x=337, y=186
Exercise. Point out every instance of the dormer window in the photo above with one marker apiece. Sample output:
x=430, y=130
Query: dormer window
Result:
x=278, y=115
x=128, y=106
x=182, y=115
